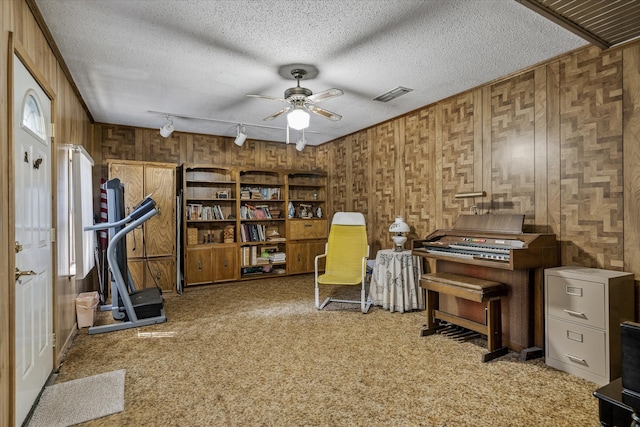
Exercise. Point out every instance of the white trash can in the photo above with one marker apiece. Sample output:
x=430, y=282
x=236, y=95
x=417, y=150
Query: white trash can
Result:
x=86, y=307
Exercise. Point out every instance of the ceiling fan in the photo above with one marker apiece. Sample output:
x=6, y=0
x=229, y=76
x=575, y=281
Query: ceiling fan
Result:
x=300, y=101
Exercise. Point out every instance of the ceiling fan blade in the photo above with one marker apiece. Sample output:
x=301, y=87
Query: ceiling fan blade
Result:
x=276, y=114
x=324, y=113
x=325, y=94
x=268, y=97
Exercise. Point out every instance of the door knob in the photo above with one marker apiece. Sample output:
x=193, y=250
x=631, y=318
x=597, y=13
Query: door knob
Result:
x=18, y=247
x=20, y=273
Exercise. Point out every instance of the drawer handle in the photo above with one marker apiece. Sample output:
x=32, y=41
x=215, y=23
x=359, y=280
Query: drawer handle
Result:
x=576, y=359
x=307, y=225
x=575, y=313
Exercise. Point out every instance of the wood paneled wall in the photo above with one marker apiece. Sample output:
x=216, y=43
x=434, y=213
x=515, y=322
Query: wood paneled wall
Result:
x=132, y=143
x=550, y=142
x=20, y=30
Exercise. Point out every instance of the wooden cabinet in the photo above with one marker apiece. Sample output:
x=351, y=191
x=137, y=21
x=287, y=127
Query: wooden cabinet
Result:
x=198, y=265
x=584, y=308
x=236, y=223
x=307, y=228
x=151, y=249
x=302, y=255
x=224, y=263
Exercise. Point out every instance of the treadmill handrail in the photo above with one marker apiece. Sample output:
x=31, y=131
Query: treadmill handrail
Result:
x=141, y=209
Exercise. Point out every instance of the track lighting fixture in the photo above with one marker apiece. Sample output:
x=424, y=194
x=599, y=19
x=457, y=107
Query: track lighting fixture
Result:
x=302, y=142
x=167, y=129
x=241, y=137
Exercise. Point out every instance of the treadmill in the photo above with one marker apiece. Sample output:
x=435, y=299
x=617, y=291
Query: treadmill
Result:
x=130, y=307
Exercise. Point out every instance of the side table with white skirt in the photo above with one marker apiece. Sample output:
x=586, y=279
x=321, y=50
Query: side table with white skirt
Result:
x=395, y=281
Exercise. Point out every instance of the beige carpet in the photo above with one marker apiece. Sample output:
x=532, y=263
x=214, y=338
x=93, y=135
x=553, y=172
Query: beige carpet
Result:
x=258, y=353
x=76, y=401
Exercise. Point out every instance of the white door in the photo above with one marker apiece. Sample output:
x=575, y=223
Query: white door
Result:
x=33, y=285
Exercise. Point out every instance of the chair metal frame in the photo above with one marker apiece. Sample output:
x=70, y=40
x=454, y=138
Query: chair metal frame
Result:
x=340, y=219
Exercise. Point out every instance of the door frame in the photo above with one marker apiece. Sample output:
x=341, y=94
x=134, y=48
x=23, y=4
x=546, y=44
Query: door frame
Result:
x=8, y=227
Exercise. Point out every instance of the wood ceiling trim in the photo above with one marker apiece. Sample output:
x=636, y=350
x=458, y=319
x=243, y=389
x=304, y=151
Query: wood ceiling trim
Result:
x=565, y=23
x=605, y=24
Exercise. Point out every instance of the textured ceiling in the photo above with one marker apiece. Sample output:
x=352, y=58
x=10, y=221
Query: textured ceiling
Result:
x=201, y=58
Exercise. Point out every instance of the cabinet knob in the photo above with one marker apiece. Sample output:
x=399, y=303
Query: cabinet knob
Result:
x=199, y=264
x=225, y=264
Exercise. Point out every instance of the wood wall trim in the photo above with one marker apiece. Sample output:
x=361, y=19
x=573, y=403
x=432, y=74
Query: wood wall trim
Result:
x=540, y=151
x=7, y=304
x=553, y=147
x=631, y=149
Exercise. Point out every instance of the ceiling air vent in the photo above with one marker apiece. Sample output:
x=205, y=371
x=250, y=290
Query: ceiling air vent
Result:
x=392, y=94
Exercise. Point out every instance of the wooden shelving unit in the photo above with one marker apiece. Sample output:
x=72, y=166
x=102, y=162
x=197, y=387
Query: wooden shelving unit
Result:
x=236, y=222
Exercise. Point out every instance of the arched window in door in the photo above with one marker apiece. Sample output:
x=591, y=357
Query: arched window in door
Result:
x=32, y=117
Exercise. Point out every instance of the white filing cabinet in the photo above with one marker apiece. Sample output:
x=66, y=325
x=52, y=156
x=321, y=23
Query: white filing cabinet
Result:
x=584, y=308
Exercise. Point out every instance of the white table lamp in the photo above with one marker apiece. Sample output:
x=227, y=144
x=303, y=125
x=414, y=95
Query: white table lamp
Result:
x=399, y=227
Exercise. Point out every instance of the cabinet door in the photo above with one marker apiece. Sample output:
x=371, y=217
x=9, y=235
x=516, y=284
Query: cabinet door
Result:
x=132, y=177
x=160, y=272
x=136, y=270
x=224, y=263
x=316, y=248
x=160, y=230
x=297, y=257
x=198, y=266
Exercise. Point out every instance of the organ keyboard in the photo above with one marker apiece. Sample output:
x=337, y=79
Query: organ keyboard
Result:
x=494, y=247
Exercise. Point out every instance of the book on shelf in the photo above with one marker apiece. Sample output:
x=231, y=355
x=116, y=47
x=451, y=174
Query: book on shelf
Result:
x=199, y=212
x=252, y=233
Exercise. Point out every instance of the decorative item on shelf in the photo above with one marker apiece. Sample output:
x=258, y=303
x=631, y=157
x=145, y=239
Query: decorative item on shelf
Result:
x=228, y=234
x=292, y=211
x=315, y=195
x=275, y=213
x=399, y=227
x=305, y=211
x=319, y=212
x=192, y=236
x=223, y=194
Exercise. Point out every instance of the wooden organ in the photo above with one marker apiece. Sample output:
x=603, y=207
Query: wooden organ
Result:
x=494, y=247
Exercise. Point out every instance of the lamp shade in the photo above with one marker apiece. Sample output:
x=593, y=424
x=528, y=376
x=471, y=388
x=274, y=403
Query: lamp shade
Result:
x=399, y=226
x=298, y=119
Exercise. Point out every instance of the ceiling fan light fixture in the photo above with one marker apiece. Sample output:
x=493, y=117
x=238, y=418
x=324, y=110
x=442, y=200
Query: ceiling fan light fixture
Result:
x=167, y=129
x=241, y=137
x=298, y=119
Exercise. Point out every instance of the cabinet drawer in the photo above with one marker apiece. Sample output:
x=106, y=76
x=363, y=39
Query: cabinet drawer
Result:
x=576, y=300
x=577, y=346
x=307, y=229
